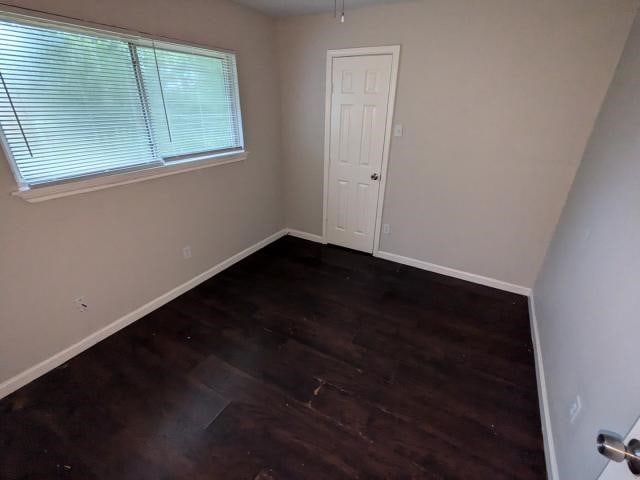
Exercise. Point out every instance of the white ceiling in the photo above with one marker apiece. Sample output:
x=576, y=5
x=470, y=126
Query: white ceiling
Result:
x=281, y=8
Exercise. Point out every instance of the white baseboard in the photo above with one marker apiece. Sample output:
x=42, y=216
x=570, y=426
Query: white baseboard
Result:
x=547, y=434
x=452, y=272
x=307, y=236
x=59, y=358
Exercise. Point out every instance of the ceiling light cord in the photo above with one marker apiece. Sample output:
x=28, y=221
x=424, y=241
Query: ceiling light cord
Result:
x=335, y=10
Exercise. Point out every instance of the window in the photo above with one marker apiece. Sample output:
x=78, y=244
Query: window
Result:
x=196, y=91
x=77, y=102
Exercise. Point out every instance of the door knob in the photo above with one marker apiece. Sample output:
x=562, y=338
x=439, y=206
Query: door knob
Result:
x=612, y=447
x=374, y=176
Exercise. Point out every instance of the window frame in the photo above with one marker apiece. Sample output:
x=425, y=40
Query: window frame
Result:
x=164, y=165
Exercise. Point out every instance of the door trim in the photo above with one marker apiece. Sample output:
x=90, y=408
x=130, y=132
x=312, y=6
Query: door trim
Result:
x=394, y=51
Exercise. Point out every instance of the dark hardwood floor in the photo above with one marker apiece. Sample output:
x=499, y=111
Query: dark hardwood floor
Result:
x=301, y=361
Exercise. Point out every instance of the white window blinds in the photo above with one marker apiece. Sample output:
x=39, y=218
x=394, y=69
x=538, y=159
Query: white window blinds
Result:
x=197, y=92
x=75, y=103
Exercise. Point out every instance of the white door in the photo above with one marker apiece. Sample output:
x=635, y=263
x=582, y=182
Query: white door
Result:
x=359, y=103
x=620, y=471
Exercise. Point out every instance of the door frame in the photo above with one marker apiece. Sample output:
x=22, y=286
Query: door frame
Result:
x=394, y=51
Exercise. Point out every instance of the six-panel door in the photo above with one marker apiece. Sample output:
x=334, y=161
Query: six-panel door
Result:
x=359, y=103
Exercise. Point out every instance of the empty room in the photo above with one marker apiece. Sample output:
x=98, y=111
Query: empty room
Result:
x=319, y=239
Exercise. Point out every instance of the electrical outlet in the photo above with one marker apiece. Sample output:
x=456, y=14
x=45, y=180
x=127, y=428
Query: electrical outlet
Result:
x=81, y=304
x=574, y=409
x=386, y=229
x=186, y=252
x=397, y=130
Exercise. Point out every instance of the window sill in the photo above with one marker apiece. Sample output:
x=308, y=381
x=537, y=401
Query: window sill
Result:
x=75, y=187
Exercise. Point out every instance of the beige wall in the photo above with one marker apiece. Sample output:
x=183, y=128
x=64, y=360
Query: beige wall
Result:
x=122, y=247
x=497, y=99
x=587, y=295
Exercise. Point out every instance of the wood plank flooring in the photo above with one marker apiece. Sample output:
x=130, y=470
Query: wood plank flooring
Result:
x=302, y=361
